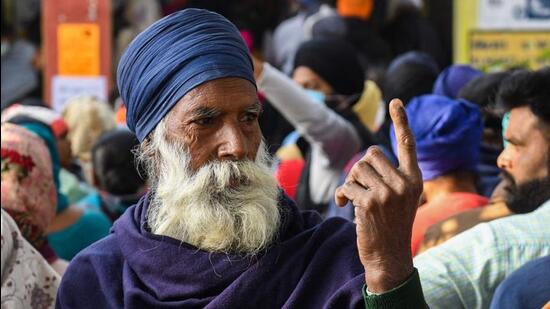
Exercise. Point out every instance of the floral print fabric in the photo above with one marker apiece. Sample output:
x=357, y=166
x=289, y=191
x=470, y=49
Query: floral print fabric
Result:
x=28, y=281
x=28, y=189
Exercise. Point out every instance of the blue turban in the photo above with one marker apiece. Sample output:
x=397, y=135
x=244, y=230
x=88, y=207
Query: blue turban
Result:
x=453, y=78
x=447, y=132
x=173, y=56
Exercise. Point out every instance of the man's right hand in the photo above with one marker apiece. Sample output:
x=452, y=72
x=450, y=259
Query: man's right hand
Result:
x=385, y=200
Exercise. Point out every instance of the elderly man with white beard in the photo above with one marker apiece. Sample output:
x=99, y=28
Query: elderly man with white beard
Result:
x=215, y=230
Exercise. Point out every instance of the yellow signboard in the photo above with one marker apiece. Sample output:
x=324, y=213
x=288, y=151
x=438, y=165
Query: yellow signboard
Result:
x=492, y=49
x=499, y=34
x=78, y=49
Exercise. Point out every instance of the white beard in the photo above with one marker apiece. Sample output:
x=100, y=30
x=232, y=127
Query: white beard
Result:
x=225, y=206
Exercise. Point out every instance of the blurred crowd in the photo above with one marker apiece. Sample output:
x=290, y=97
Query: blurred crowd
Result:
x=326, y=72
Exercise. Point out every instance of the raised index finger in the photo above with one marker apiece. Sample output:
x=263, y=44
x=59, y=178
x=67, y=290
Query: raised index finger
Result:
x=406, y=146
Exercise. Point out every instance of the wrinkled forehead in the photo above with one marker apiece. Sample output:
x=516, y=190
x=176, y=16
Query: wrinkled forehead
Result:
x=230, y=94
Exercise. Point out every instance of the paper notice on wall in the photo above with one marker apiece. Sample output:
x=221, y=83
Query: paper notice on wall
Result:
x=67, y=87
x=514, y=14
x=499, y=50
x=78, y=49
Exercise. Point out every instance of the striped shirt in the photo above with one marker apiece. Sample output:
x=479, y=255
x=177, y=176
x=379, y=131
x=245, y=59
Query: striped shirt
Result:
x=465, y=271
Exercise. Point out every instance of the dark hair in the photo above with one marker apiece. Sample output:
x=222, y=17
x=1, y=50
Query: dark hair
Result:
x=483, y=91
x=335, y=61
x=408, y=80
x=114, y=163
x=527, y=88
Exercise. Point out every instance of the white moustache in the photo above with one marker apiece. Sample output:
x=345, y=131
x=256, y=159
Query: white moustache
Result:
x=225, y=206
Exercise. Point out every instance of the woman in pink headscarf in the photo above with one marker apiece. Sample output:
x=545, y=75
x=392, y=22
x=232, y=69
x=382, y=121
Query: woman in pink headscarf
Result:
x=28, y=190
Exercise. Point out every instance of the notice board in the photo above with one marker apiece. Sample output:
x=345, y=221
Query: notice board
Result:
x=76, y=47
x=501, y=33
x=490, y=49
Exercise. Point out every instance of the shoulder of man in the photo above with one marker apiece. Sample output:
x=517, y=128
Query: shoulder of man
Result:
x=465, y=270
x=93, y=277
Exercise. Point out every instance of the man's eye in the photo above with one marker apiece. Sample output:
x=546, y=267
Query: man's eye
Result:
x=204, y=121
x=250, y=117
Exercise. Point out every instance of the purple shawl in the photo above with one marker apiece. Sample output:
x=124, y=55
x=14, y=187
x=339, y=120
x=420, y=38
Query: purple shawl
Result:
x=314, y=264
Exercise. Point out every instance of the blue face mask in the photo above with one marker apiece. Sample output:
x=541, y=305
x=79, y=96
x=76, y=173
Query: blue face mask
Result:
x=505, y=121
x=317, y=96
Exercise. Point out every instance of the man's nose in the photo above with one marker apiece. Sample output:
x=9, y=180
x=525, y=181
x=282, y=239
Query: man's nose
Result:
x=503, y=161
x=234, y=146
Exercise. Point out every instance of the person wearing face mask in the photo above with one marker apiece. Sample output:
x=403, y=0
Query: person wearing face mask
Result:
x=321, y=110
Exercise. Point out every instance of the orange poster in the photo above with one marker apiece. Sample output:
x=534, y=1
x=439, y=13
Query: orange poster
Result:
x=78, y=49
